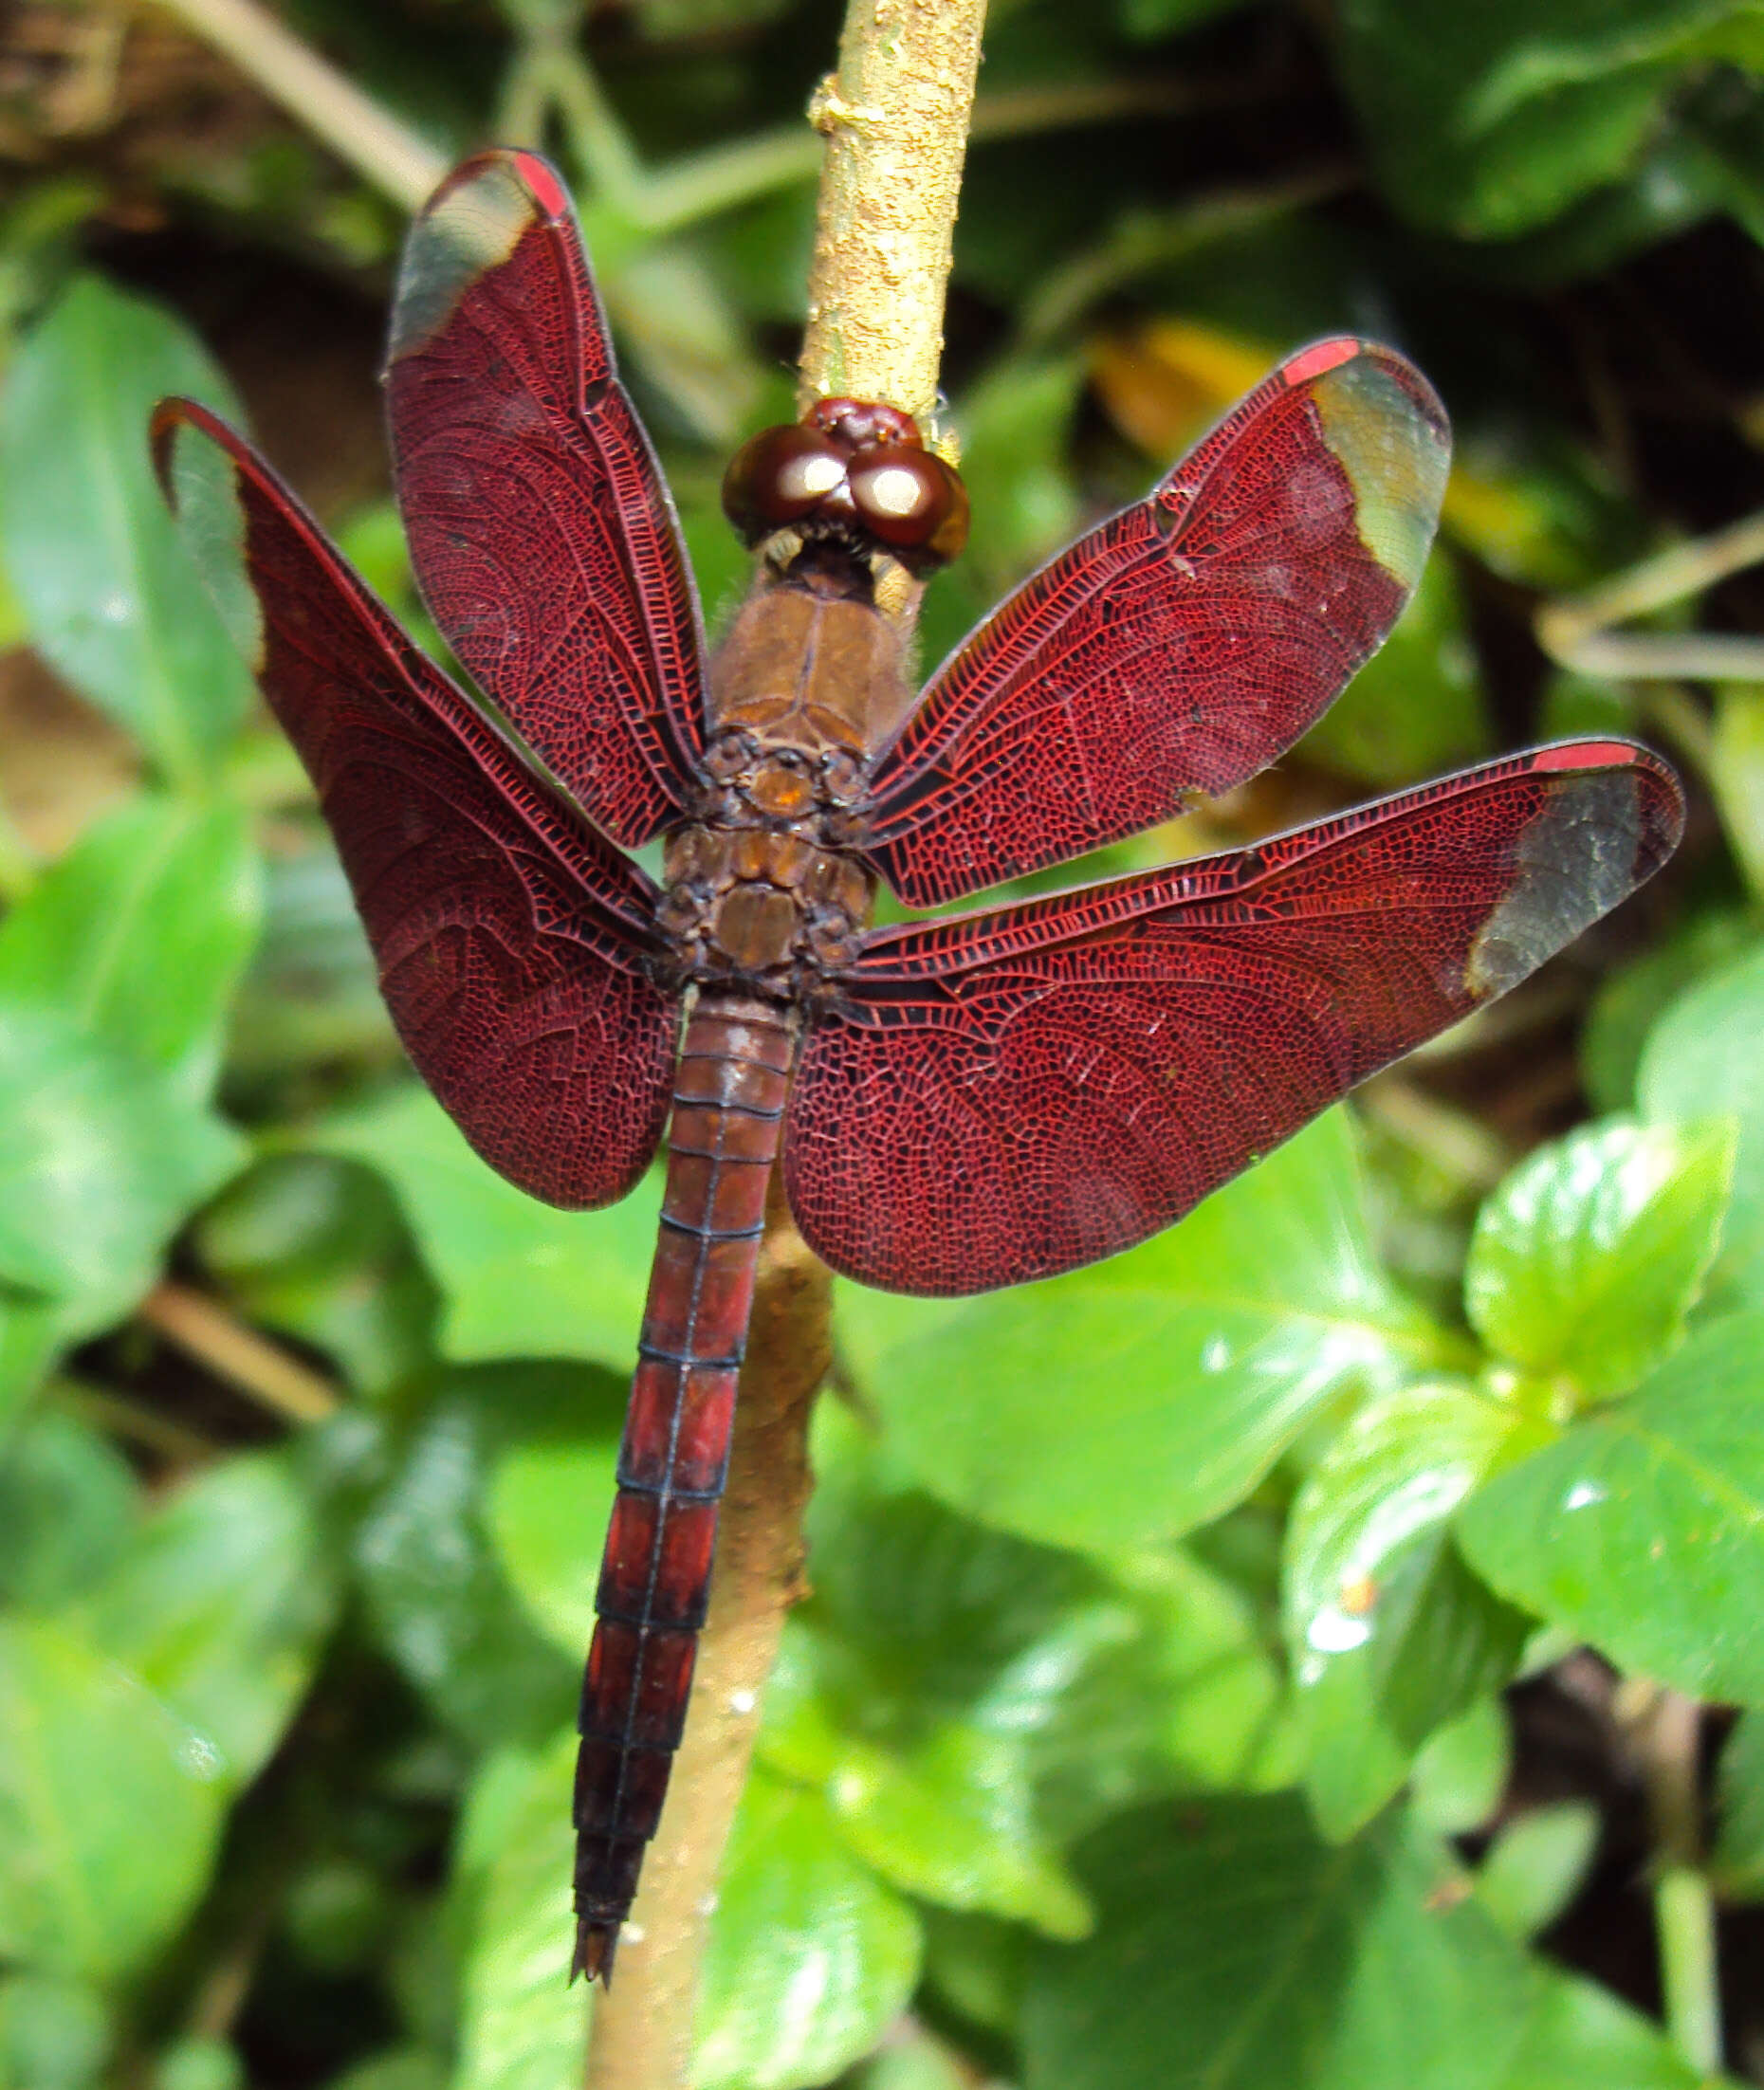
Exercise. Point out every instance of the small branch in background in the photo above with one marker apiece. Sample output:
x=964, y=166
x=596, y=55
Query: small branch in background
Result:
x=1453, y=1141
x=204, y=1328
x=1666, y=1729
x=1576, y=631
x=133, y=1423
x=367, y=137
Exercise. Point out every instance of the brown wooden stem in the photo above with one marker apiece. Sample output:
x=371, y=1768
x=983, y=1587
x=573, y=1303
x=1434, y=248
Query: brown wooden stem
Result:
x=895, y=120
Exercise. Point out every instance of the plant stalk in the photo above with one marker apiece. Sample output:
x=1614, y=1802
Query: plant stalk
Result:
x=895, y=121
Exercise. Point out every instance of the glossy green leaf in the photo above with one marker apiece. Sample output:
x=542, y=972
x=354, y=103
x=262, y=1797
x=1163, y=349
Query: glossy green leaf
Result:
x=139, y=934
x=518, y=1278
x=810, y=1958
x=220, y=1605
x=944, y=1812
x=1005, y=1695
x=110, y=1807
x=111, y=598
x=312, y=993
x=1463, y=1769
x=66, y=1496
x=1702, y=1061
x=439, y=1594
x=1738, y=1858
x=1641, y=1528
x=101, y=1160
x=1150, y=1393
x=1588, y=1258
x=1388, y=1636
x=1237, y=1951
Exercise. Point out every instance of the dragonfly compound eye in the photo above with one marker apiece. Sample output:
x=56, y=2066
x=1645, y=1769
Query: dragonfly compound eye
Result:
x=780, y=476
x=912, y=501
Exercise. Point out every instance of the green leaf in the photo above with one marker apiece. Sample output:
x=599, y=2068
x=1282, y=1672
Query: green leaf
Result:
x=519, y=1279
x=29, y=1341
x=437, y=1591
x=1487, y=122
x=1006, y=1694
x=66, y=1496
x=810, y=1958
x=198, y=2064
x=220, y=1605
x=943, y=1812
x=139, y=934
x=1738, y=1858
x=1642, y=1528
x=1462, y=1770
x=522, y=2020
x=1629, y=1003
x=1389, y=1638
x=113, y=602
x=1535, y=1866
x=110, y=1807
x=1737, y=776
x=914, y=2062
x=317, y=1247
x=102, y=1158
x=1237, y=1951
x=54, y=2035
x=1588, y=1258
x=1147, y=1394
x=547, y=1506
x=1702, y=1061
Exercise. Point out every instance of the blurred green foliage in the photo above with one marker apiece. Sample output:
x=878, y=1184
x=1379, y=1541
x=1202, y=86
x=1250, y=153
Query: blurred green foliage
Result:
x=1148, y=1724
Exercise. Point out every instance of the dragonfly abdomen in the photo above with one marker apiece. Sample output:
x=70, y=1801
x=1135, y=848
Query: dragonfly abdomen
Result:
x=728, y=1107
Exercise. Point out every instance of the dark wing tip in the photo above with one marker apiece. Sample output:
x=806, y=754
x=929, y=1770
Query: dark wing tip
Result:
x=533, y=171
x=472, y=223
x=1658, y=794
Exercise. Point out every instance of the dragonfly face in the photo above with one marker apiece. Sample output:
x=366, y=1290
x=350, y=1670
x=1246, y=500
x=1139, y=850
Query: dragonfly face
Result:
x=958, y=1102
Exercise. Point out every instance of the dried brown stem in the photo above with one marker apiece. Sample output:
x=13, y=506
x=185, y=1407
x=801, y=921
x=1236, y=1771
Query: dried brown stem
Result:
x=205, y=1329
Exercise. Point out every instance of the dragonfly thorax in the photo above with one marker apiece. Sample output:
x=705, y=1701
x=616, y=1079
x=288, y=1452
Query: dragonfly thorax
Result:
x=761, y=906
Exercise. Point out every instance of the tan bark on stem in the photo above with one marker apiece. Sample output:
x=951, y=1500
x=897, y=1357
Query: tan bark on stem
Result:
x=895, y=121
x=642, y=2033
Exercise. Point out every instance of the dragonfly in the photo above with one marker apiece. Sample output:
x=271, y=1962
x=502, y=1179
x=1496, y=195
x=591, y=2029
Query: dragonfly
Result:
x=959, y=1101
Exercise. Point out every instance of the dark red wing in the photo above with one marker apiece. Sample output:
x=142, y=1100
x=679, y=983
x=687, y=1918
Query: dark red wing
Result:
x=511, y=937
x=540, y=528
x=1182, y=645
x=1005, y=1095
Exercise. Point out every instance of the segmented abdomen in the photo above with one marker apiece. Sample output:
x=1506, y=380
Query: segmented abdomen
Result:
x=655, y=1583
